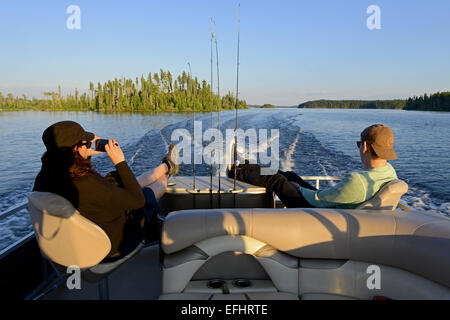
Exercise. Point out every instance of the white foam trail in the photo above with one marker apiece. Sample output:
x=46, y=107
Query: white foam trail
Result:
x=134, y=156
x=445, y=206
x=198, y=148
x=166, y=144
x=324, y=170
x=421, y=200
x=264, y=147
x=288, y=164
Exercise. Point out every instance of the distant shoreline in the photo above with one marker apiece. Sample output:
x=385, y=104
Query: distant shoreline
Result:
x=198, y=112
x=153, y=96
x=439, y=101
x=112, y=112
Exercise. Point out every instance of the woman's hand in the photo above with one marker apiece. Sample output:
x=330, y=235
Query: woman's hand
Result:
x=114, y=151
x=90, y=151
x=95, y=139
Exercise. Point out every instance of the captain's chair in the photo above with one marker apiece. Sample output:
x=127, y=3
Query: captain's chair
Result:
x=66, y=238
x=387, y=197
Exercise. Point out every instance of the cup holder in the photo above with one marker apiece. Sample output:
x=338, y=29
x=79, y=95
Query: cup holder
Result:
x=216, y=283
x=242, y=283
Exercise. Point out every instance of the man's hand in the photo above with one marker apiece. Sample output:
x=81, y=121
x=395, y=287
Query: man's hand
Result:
x=114, y=151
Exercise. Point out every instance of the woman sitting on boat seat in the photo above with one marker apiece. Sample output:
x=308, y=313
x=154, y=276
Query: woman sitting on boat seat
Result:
x=375, y=147
x=120, y=204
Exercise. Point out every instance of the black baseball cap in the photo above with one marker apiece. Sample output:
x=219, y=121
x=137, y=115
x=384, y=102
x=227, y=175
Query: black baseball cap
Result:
x=65, y=134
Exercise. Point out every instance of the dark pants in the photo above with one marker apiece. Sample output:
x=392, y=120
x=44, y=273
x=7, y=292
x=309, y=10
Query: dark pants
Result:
x=151, y=207
x=141, y=225
x=278, y=183
x=151, y=210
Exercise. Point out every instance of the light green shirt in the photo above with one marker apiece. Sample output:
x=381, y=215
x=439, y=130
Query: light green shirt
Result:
x=354, y=189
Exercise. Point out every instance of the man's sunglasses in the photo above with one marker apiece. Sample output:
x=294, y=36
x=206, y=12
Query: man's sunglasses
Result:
x=358, y=143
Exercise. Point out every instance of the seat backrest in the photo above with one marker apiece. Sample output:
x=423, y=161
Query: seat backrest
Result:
x=63, y=234
x=387, y=197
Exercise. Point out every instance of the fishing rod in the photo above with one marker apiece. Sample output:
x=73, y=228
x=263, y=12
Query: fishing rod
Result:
x=210, y=165
x=190, y=79
x=218, y=110
x=237, y=99
x=189, y=87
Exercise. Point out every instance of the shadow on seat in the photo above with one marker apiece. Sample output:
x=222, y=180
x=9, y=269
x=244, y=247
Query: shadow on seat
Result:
x=387, y=197
x=67, y=238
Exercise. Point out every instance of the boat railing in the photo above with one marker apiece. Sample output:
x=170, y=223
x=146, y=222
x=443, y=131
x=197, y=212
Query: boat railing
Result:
x=14, y=209
x=317, y=179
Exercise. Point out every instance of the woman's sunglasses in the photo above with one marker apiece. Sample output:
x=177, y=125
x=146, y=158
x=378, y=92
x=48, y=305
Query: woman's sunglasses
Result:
x=87, y=144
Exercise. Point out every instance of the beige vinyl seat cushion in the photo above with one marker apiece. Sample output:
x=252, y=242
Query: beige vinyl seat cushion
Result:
x=63, y=234
x=412, y=241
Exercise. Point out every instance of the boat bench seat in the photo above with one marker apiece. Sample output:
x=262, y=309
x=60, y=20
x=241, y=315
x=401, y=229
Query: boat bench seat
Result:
x=305, y=254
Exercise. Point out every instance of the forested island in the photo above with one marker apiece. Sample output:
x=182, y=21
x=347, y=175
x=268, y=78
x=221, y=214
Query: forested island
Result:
x=439, y=101
x=158, y=92
x=355, y=104
x=264, y=106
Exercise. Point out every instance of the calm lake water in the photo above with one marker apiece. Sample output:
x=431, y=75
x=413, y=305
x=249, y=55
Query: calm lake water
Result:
x=312, y=142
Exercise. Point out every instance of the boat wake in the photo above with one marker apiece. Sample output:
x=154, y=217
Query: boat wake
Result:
x=288, y=164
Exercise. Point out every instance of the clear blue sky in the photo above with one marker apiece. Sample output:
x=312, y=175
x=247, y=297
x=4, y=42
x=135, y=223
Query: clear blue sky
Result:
x=291, y=51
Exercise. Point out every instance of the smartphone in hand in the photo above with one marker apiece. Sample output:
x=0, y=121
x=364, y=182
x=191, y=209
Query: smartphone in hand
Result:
x=100, y=144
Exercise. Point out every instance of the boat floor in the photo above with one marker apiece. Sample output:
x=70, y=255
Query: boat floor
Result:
x=140, y=278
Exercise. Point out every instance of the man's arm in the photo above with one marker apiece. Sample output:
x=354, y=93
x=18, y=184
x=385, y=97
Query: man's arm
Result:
x=349, y=190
